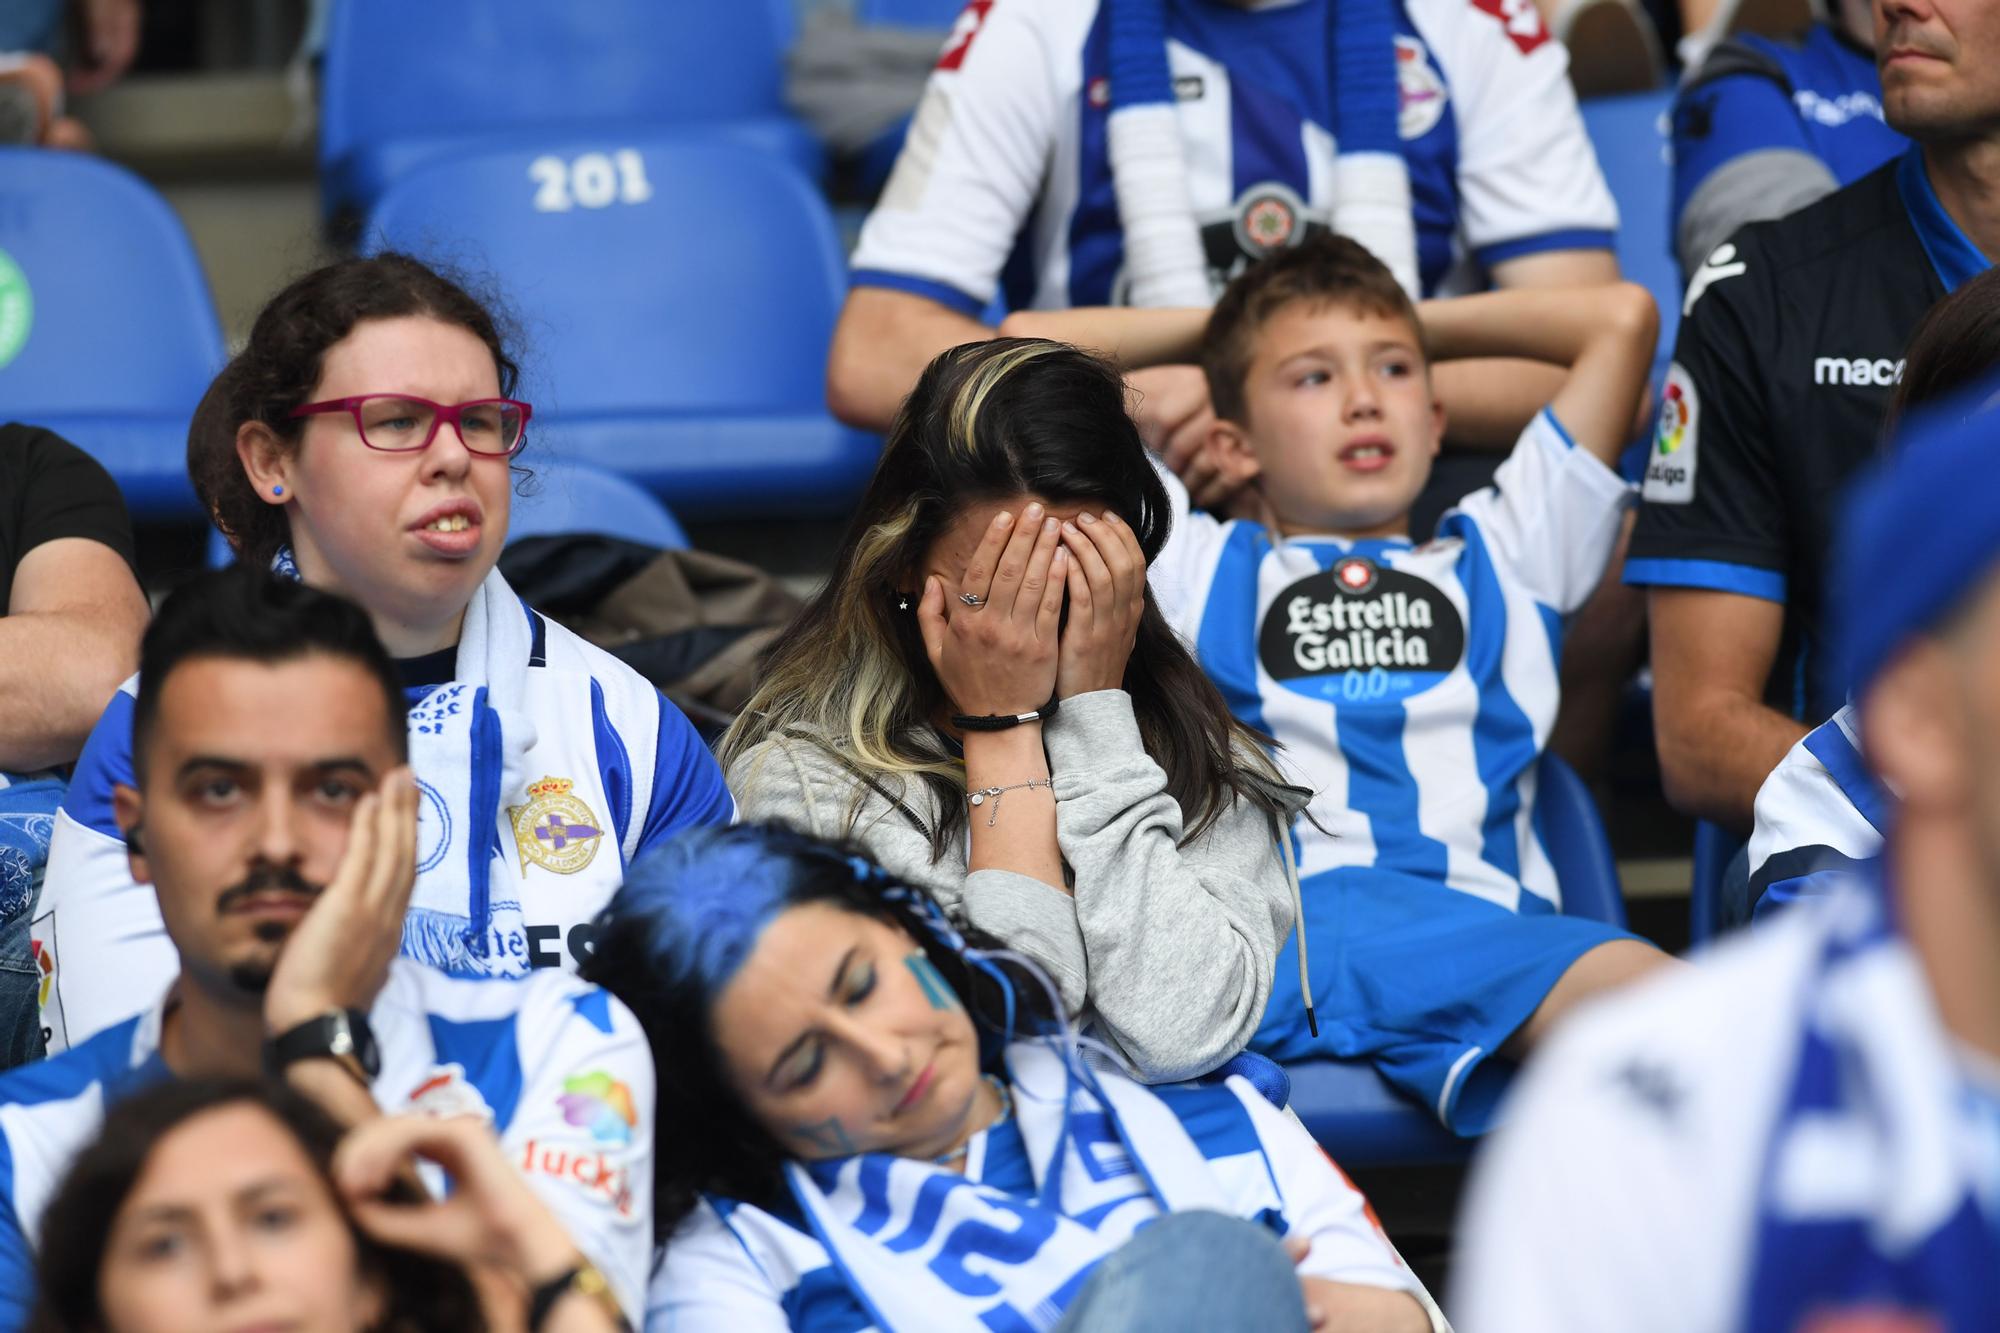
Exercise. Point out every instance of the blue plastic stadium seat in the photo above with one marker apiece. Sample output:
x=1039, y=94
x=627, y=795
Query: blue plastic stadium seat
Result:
x=1629, y=133
x=909, y=13
x=678, y=336
x=1715, y=853
x=574, y=498
x=1352, y=1110
x=107, y=332
x=566, y=499
x=404, y=83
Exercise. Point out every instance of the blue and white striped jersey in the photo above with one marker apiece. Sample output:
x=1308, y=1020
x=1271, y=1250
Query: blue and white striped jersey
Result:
x=1820, y=817
x=560, y=1068
x=632, y=772
x=1412, y=687
x=1008, y=154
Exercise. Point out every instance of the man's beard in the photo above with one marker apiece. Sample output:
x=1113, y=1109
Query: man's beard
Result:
x=253, y=976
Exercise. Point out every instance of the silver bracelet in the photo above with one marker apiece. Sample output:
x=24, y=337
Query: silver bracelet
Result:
x=980, y=795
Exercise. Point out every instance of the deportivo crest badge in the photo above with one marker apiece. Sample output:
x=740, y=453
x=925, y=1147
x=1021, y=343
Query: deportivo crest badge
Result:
x=554, y=829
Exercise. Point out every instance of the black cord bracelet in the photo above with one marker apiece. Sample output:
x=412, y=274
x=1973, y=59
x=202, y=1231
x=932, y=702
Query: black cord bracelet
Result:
x=1002, y=721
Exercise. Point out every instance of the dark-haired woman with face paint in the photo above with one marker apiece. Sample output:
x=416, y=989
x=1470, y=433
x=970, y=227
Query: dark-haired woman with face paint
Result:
x=874, y=1124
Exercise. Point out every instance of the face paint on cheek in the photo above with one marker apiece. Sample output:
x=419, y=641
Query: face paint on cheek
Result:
x=829, y=1136
x=935, y=990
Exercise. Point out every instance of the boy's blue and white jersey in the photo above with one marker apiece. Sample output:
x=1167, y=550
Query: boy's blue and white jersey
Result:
x=1411, y=687
x=1820, y=817
x=560, y=1068
x=618, y=766
x=1007, y=162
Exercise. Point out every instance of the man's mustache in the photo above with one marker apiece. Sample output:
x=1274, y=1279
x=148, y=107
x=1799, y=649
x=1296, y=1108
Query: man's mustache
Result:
x=265, y=879
x=1902, y=37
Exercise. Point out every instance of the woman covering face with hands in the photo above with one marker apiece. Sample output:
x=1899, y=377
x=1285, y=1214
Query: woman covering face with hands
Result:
x=985, y=697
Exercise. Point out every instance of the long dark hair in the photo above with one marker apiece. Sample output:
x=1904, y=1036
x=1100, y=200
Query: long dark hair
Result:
x=687, y=915
x=277, y=369
x=990, y=421
x=423, y=1295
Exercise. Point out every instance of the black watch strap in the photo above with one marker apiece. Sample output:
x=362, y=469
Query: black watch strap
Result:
x=339, y=1034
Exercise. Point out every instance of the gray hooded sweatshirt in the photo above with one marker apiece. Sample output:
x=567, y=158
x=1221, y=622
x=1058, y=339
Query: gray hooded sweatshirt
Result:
x=1165, y=951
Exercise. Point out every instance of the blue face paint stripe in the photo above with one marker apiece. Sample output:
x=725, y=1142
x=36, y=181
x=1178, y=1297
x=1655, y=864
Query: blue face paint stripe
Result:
x=935, y=989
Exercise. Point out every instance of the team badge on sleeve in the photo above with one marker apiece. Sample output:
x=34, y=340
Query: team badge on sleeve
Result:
x=962, y=33
x=555, y=830
x=1670, y=467
x=446, y=1092
x=1523, y=21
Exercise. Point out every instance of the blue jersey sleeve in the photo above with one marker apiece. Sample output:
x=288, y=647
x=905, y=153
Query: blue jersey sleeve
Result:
x=687, y=782
x=17, y=1257
x=106, y=761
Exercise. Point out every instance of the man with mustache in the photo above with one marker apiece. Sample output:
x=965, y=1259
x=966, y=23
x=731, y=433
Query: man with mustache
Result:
x=1791, y=344
x=276, y=818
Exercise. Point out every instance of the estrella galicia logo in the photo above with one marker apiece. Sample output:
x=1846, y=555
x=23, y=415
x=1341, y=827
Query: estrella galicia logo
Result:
x=1360, y=632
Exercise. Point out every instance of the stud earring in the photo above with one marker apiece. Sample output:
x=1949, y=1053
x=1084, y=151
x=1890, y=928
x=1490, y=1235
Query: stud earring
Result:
x=277, y=490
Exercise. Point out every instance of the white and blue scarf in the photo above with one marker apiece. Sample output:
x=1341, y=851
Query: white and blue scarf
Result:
x=1884, y=1164
x=1371, y=182
x=469, y=740
x=924, y=1248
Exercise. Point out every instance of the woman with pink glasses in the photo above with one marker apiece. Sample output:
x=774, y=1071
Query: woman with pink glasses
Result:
x=363, y=441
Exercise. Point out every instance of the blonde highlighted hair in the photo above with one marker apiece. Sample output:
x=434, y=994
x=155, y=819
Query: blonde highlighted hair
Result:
x=988, y=421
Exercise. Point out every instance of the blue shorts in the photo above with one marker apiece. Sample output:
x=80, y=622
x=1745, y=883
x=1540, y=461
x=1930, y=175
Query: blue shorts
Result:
x=1422, y=980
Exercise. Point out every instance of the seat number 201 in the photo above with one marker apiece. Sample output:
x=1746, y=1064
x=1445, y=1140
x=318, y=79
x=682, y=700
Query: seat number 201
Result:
x=594, y=180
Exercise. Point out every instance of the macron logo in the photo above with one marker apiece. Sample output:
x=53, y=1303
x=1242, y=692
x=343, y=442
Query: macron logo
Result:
x=1858, y=372
x=1719, y=265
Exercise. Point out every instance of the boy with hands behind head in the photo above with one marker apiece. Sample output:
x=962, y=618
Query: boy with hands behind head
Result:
x=1414, y=687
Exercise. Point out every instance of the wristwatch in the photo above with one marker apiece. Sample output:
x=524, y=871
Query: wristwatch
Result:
x=340, y=1035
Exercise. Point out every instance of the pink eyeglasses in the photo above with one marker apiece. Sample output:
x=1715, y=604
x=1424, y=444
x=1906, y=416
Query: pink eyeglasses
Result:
x=396, y=423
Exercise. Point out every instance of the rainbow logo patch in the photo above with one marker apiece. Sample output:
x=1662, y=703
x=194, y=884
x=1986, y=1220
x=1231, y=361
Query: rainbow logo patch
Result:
x=1676, y=415
x=601, y=1104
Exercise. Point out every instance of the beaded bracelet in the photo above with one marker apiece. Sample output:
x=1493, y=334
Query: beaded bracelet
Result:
x=981, y=795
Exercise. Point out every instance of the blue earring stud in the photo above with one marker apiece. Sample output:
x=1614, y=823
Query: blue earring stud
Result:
x=277, y=490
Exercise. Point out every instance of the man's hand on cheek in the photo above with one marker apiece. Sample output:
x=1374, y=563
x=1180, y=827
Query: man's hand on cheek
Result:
x=339, y=954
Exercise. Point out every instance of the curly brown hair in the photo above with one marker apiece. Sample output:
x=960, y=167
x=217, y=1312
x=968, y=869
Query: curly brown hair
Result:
x=278, y=368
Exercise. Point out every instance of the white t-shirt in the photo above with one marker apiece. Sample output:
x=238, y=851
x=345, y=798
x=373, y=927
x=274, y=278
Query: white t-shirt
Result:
x=1007, y=154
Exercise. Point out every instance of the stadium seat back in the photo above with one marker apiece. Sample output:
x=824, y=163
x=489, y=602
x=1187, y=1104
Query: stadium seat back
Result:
x=1629, y=133
x=107, y=331
x=677, y=296
x=404, y=81
x=577, y=498
x=909, y=13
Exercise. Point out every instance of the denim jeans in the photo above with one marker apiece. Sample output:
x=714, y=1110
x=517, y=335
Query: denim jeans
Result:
x=1196, y=1270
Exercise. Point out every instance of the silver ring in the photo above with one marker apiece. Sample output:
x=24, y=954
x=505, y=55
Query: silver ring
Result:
x=972, y=599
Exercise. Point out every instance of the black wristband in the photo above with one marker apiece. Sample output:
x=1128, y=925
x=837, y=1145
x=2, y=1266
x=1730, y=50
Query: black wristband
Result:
x=1002, y=721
